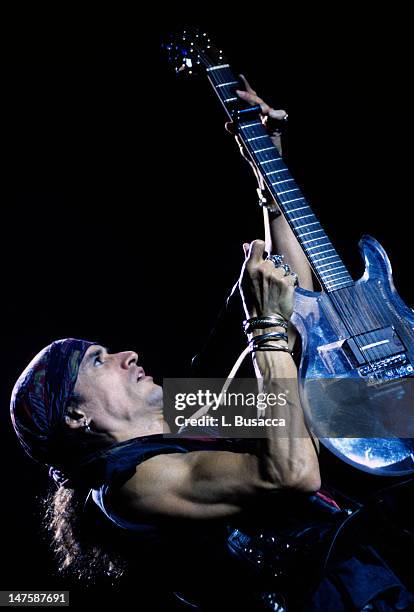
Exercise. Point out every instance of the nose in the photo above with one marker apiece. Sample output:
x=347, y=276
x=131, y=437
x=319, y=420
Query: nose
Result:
x=128, y=358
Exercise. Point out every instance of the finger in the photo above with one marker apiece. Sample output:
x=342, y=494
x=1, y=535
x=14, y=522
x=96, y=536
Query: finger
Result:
x=247, y=86
x=279, y=115
x=246, y=247
x=276, y=273
x=229, y=127
x=257, y=248
x=254, y=99
x=295, y=278
x=291, y=279
x=247, y=97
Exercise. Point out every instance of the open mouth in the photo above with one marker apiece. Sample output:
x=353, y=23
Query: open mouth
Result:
x=141, y=374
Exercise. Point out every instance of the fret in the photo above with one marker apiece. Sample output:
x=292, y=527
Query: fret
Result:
x=306, y=224
x=275, y=171
x=271, y=160
x=248, y=125
x=333, y=285
x=311, y=240
x=313, y=232
x=231, y=99
x=294, y=200
x=335, y=280
x=336, y=274
x=302, y=217
x=329, y=264
x=257, y=138
x=228, y=83
x=321, y=253
x=218, y=67
x=335, y=267
x=288, y=191
x=284, y=181
x=265, y=149
x=318, y=245
x=324, y=258
x=338, y=284
x=295, y=209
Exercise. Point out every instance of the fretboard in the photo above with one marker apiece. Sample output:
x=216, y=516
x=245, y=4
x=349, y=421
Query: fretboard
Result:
x=319, y=250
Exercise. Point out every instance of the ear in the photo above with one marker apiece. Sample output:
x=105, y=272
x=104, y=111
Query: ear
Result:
x=75, y=418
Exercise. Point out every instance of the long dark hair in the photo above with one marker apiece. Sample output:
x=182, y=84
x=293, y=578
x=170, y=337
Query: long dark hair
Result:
x=81, y=551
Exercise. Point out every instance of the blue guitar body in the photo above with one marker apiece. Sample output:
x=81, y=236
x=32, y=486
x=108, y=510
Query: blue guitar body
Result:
x=356, y=375
x=356, y=386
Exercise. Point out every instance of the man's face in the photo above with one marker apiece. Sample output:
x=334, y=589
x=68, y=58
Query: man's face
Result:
x=115, y=386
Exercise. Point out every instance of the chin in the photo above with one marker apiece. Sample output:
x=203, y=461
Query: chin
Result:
x=154, y=397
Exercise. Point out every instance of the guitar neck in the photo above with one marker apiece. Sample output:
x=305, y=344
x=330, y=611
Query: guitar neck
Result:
x=320, y=252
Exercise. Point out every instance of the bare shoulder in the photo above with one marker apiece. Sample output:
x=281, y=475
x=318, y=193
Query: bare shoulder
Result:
x=202, y=484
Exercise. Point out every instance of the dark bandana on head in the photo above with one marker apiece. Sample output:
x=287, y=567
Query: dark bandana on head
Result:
x=40, y=395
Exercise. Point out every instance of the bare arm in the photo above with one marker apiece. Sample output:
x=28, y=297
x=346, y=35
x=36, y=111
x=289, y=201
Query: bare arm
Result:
x=214, y=485
x=279, y=237
x=283, y=240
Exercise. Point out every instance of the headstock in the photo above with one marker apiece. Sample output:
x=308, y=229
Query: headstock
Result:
x=191, y=52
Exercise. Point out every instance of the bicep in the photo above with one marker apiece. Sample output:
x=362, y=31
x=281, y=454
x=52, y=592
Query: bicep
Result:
x=198, y=485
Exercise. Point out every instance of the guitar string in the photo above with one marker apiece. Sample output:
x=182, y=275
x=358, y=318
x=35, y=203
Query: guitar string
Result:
x=225, y=75
x=339, y=297
x=337, y=300
x=219, y=79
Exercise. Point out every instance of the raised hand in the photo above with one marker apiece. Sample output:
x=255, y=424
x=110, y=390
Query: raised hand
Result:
x=265, y=289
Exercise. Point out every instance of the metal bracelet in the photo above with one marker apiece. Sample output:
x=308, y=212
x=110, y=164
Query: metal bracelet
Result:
x=263, y=323
x=269, y=336
x=266, y=318
x=273, y=347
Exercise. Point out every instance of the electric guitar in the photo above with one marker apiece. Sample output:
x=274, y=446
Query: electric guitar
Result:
x=356, y=376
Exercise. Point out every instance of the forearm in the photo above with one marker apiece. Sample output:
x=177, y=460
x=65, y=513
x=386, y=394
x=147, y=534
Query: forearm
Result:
x=287, y=457
x=281, y=239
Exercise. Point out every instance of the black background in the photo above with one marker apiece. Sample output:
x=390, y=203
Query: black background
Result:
x=125, y=203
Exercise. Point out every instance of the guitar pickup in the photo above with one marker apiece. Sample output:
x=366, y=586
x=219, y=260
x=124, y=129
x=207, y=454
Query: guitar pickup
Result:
x=373, y=345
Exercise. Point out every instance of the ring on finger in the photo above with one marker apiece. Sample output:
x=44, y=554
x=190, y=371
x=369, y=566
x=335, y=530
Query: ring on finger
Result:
x=295, y=279
x=277, y=260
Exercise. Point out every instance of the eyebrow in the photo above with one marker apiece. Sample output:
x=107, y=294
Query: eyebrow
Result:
x=96, y=353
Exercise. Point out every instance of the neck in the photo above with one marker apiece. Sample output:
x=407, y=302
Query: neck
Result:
x=147, y=425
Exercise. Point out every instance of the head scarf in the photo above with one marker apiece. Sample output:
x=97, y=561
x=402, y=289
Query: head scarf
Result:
x=41, y=394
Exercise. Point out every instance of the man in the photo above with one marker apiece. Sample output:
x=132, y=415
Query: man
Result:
x=76, y=397
x=96, y=419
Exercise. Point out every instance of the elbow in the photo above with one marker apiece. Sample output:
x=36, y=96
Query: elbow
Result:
x=304, y=479
x=308, y=483
x=303, y=483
